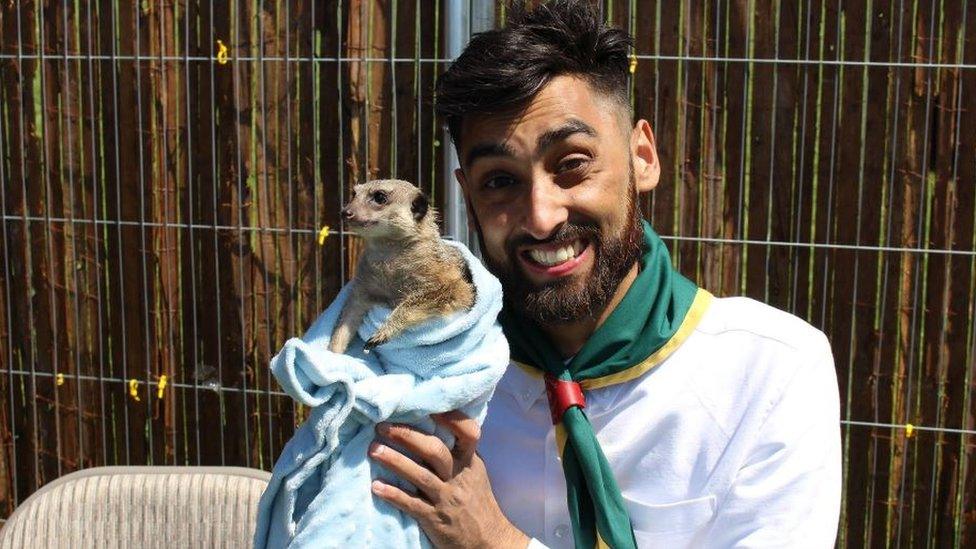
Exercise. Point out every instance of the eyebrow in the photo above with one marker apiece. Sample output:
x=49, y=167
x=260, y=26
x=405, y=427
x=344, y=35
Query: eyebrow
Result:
x=546, y=140
x=572, y=127
x=488, y=149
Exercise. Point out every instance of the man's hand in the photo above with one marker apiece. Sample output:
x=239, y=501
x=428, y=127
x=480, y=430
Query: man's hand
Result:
x=454, y=504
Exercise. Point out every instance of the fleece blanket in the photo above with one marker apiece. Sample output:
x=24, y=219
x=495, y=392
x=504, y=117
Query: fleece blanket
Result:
x=319, y=494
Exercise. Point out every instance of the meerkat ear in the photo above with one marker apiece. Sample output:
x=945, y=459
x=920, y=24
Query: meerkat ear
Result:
x=419, y=207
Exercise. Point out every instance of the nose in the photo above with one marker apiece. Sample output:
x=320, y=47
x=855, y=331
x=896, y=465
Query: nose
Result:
x=546, y=208
x=346, y=213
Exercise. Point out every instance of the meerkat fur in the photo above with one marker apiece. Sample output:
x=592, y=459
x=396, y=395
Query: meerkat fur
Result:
x=405, y=265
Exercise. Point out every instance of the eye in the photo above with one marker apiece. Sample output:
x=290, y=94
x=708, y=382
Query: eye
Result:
x=572, y=163
x=379, y=197
x=499, y=181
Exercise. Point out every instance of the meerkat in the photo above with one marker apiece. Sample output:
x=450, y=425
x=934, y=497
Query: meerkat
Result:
x=405, y=265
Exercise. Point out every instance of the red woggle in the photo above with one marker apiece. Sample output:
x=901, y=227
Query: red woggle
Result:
x=562, y=396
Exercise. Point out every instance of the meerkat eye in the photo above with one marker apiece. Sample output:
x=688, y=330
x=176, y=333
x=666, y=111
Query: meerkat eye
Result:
x=379, y=197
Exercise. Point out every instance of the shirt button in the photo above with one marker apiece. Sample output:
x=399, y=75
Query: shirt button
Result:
x=527, y=396
x=561, y=531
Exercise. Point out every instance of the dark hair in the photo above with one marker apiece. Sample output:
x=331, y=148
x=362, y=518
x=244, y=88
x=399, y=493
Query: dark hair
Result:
x=502, y=70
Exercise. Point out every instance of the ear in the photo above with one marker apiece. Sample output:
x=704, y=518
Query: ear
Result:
x=643, y=150
x=419, y=206
x=463, y=182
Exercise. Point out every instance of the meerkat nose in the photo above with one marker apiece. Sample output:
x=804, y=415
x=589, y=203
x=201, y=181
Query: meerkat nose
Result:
x=347, y=213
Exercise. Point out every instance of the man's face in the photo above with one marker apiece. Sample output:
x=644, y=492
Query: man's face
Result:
x=552, y=191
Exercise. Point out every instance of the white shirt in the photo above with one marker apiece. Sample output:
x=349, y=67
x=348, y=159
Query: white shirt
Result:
x=732, y=441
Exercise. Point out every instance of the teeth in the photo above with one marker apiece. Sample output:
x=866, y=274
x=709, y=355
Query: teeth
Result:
x=555, y=257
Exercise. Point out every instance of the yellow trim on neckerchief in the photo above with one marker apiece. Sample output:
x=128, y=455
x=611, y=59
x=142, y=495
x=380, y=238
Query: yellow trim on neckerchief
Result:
x=560, y=438
x=695, y=313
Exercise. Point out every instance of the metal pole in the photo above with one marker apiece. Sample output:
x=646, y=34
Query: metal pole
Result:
x=482, y=15
x=458, y=31
x=462, y=18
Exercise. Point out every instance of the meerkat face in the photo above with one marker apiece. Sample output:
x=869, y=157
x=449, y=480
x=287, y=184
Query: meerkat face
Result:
x=385, y=208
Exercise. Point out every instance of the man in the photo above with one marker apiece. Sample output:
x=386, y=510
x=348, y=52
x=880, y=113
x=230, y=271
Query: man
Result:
x=638, y=409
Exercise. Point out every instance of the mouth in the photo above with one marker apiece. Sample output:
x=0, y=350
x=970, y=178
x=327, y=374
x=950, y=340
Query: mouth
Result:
x=556, y=259
x=359, y=223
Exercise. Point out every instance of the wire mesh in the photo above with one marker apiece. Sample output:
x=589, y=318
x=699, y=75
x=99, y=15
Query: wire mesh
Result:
x=168, y=167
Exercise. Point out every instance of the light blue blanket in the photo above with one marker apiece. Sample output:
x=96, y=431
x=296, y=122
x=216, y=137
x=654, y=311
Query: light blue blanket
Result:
x=319, y=494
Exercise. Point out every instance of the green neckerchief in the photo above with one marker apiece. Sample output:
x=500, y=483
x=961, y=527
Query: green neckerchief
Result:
x=650, y=318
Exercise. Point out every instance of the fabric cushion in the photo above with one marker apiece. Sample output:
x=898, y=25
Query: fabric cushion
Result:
x=140, y=507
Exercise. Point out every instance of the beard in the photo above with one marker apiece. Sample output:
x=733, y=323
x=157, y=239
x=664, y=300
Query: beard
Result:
x=573, y=298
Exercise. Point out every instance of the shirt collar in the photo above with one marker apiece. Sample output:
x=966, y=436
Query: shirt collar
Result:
x=525, y=387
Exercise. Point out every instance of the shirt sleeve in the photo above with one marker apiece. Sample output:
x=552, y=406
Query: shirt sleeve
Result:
x=787, y=493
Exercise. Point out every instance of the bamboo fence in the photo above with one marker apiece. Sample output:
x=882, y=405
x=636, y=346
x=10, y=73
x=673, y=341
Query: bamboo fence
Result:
x=167, y=169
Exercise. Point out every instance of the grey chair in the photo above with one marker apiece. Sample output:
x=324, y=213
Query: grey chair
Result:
x=172, y=507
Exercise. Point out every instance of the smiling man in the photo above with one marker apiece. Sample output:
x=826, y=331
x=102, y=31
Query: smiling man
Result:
x=639, y=410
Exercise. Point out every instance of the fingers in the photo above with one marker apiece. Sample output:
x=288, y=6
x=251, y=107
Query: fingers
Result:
x=411, y=505
x=402, y=466
x=427, y=448
x=466, y=432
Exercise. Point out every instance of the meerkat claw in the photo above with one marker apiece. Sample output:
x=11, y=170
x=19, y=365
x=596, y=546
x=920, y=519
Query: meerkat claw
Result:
x=372, y=343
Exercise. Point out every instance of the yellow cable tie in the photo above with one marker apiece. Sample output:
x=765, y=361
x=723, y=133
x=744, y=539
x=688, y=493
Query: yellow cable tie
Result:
x=633, y=63
x=162, y=386
x=323, y=234
x=60, y=380
x=134, y=389
x=909, y=430
x=221, y=52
